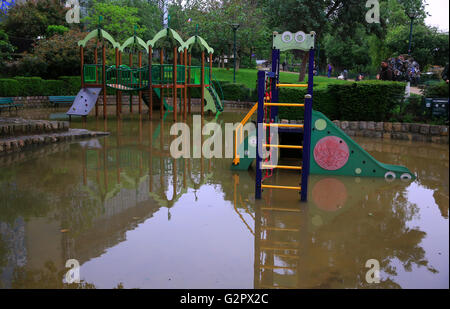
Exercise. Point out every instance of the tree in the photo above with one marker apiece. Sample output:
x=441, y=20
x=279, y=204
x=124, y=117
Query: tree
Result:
x=56, y=56
x=26, y=22
x=6, y=48
x=119, y=20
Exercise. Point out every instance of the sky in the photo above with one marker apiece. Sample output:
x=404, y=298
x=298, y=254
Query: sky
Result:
x=438, y=9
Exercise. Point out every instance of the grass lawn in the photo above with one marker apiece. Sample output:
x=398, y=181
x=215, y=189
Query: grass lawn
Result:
x=248, y=77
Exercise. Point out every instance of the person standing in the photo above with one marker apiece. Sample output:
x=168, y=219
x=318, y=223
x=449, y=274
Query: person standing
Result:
x=445, y=74
x=385, y=72
x=330, y=69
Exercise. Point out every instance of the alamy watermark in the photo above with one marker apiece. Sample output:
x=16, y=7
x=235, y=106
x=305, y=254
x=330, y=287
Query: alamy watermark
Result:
x=73, y=14
x=373, y=274
x=373, y=14
x=73, y=275
x=212, y=141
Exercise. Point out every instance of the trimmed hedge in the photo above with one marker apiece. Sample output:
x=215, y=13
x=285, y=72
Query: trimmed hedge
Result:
x=365, y=101
x=9, y=87
x=30, y=86
x=439, y=90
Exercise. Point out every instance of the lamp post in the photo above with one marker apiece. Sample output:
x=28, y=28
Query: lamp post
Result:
x=412, y=14
x=235, y=28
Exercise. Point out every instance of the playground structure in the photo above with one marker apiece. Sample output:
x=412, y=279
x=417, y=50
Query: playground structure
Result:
x=154, y=83
x=325, y=148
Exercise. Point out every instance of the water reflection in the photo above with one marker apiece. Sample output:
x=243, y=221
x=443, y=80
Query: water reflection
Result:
x=123, y=204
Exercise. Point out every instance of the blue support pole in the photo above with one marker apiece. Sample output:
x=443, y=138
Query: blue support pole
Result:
x=307, y=129
x=275, y=80
x=260, y=132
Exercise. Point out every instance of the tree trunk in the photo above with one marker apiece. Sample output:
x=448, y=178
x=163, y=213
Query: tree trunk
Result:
x=302, y=74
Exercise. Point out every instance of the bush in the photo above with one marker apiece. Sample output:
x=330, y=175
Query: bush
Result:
x=236, y=92
x=53, y=87
x=367, y=101
x=30, y=86
x=71, y=86
x=437, y=91
x=9, y=87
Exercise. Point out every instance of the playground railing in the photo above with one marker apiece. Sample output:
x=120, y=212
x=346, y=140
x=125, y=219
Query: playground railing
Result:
x=93, y=73
x=239, y=133
x=127, y=78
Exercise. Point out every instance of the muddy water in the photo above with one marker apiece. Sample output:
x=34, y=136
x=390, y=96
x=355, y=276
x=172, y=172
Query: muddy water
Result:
x=134, y=217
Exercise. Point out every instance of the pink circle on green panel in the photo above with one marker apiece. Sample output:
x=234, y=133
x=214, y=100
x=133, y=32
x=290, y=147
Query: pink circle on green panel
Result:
x=331, y=153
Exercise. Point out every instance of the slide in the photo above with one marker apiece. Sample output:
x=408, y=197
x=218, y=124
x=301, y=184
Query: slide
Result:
x=156, y=103
x=213, y=102
x=332, y=153
x=84, y=101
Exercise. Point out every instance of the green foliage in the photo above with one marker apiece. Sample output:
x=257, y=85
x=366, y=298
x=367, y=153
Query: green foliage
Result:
x=26, y=21
x=54, y=56
x=56, y=29
x=9, y=87
x=53, y=87
x=366, y=101
x=236, y=92
x=118, y=19
x=72, y=84
x=30, y=86
x=6, y=49
x=437, y=90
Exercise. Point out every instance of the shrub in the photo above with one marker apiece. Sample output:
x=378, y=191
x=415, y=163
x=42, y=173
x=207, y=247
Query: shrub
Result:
x=369, y=100
x=437, y=91
x=53, y=87
x=236, y=92
x=9, y=87
x=72, y=84
x=30, y=86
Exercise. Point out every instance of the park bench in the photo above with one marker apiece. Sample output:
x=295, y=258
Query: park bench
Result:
x=56, y=100
x=8, y=103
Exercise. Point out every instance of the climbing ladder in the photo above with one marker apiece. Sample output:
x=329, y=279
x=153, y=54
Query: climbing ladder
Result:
x=268, y=86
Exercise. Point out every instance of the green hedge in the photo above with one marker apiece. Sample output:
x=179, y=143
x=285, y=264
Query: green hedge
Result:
x=439, y=90
x=30, y=86
x=72, y=84
x=366, y=101
x=52, y=87
x=9, y=87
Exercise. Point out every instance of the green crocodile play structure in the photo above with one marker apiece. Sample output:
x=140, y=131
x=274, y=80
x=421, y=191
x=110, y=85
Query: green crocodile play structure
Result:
x=325, y=149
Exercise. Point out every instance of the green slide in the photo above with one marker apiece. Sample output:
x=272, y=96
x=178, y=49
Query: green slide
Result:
x=213, y=102
x=334, y=153
x=157, y=91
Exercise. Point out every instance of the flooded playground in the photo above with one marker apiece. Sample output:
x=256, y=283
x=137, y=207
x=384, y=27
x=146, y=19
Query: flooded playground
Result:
x=134, y=217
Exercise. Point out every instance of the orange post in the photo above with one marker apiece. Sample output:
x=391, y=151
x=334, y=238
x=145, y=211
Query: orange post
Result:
x=104, y=79
x=140, y=83
x=202, y=101
x=161, y=60
x=150, y=90
x=174, y=92
x=185, y=84
x=189, y=80
x=96, y=77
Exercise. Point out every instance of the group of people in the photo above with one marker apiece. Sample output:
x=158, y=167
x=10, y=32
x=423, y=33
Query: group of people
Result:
x=401, y=68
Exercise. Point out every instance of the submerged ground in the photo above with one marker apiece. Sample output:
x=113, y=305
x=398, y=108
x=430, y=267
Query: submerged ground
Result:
x=136, y=218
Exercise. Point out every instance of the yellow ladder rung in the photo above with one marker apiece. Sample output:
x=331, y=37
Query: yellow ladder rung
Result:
x=292, y=85
x=281, y=187
x=284, y=125
x=282, y=209
x=272, y=228
x=276, y=267
x=282, y=167
x=285, y=104
x=283, y=146
x=278, y=249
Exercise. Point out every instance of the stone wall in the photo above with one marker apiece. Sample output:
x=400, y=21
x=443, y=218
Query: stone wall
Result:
x=398, y=131
x=42, y=101
x=18, y=126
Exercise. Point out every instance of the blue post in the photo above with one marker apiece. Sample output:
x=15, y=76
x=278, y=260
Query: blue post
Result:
x=307, y=128
x=259, y=133
x=275, y=80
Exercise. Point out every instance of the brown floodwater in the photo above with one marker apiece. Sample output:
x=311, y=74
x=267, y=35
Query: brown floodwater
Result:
x=134, y=217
